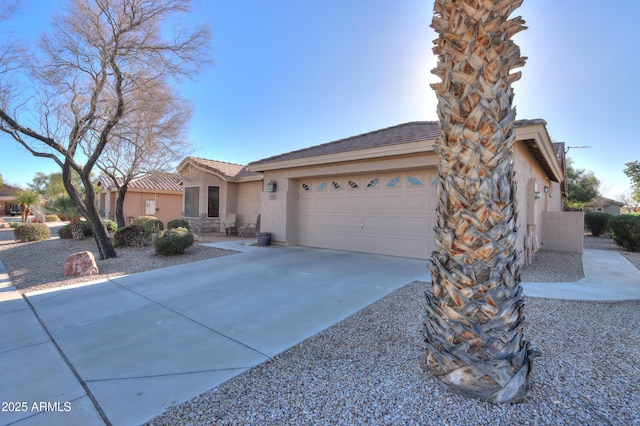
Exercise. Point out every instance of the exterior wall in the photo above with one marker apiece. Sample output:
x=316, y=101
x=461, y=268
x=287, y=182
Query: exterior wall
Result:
x=279, y=209
x=531, y=178
x=241, y=198
x=168, y=205
x=563, y=231
x=248, y=201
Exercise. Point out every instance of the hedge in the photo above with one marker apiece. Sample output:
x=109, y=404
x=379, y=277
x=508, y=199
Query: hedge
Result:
x=625, y=231
x=178, y=223
x=131, y=236
x=597, y=222
x=173, y=241
x=32, y=232
x=151, y=223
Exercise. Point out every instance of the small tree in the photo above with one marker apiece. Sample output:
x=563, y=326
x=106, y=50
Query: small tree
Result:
x=582, y=187
x=27, y=199
x=97, y=54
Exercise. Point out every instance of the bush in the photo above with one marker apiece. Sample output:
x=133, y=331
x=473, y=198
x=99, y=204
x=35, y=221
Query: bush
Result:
x=51, y=218
x=131, y=236
x=110, y=225
x=178, y=223
x=65, y=231
x=151, y=223
x=174, y=241
x=32, y=232
x=625, y=231
x=597, y=223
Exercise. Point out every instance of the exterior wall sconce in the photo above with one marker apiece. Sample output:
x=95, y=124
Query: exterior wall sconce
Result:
x=538, y=195
x=546, y=189
x=272, y=186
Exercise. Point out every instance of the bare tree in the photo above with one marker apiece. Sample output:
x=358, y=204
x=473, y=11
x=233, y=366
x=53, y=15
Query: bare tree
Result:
x=147, y=140
x=84, y=68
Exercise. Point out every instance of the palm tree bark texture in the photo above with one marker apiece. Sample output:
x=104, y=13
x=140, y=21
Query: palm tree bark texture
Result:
x=473, y=331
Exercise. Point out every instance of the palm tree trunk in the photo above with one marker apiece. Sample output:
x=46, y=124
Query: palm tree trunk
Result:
x=473, y=332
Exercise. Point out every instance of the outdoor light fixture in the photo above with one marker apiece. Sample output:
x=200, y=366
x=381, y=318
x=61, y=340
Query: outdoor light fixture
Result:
x=538, y=195
x=546, y=189
x=272, y=186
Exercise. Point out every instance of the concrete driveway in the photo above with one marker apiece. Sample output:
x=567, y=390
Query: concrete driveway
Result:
x=125, y=350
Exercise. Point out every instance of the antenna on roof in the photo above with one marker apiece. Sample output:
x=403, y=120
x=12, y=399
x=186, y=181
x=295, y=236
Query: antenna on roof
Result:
x=575, y=147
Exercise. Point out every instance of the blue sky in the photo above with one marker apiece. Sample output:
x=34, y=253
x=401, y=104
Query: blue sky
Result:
x=289, y=74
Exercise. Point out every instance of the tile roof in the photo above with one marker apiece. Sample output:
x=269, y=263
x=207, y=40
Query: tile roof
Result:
x=603, y=202
x=227, y=170
x=403, y=133
x=8, y=190
x=152, y=182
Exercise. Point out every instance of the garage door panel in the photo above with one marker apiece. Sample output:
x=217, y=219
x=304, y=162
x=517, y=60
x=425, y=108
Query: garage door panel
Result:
x=395, y=215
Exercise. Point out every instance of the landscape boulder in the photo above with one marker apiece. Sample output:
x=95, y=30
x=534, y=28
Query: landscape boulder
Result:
x=81, y=264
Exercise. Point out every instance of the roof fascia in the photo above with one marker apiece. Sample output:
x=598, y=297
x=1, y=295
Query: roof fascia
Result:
x=360, y=154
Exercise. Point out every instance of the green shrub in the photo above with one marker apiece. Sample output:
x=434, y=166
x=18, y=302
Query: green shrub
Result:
x=110, y=225
x=152, y=223
x=131, y=236
x=178, y=223
x=32, y=232
x=51, y=218
x=625, y=231
x=65, y=231
x=173, y=241
x=597, y=223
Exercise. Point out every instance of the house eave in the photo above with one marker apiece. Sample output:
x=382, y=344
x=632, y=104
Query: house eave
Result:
x=539, y=143
x=422, y=146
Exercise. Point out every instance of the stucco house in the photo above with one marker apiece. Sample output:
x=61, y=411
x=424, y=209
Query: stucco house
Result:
x=214, y=189
x=375, y=192
x=604, y=205
x=7, y=198
x=158, y=194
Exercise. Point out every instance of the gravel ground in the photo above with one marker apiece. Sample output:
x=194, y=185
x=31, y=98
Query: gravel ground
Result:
x=367, y=369
x=28, y=271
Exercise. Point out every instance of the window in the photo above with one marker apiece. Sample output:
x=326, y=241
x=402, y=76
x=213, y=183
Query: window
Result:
x=336, y=185
x=353, y=184
x=393, y=182
x=322, y=186
x=192, y=201
x=213, y=201
x=306, y=187
x=414, y=181
x=373, y=183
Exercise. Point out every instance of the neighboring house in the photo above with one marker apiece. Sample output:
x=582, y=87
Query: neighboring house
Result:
x=7, y=198
x=376, y=192
x=158, y=195
x=604, y=205
x=214, y=189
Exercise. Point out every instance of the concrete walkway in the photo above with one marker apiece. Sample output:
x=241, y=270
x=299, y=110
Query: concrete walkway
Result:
x=122, y=351
x=609, y=277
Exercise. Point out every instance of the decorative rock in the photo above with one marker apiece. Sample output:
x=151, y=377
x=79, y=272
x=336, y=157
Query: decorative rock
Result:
x=81, y=264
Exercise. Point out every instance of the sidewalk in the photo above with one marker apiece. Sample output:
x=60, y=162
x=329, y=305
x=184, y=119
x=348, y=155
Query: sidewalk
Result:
x=609, y=277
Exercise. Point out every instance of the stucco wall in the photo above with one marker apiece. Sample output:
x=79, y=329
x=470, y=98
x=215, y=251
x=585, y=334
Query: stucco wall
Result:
x=168, y=206
x=563, y=231
x=279, y=209
x=531, y=178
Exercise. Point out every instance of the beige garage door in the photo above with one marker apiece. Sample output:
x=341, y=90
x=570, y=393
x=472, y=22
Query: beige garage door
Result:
x=390, y=213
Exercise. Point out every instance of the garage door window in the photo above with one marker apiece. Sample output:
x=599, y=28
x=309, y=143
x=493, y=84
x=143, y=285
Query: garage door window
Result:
x=414, y=181
x=322, y=186
x=394, y=182
x=306, y=187
x=373, y=183
x=353, y=184
x=336, y=185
